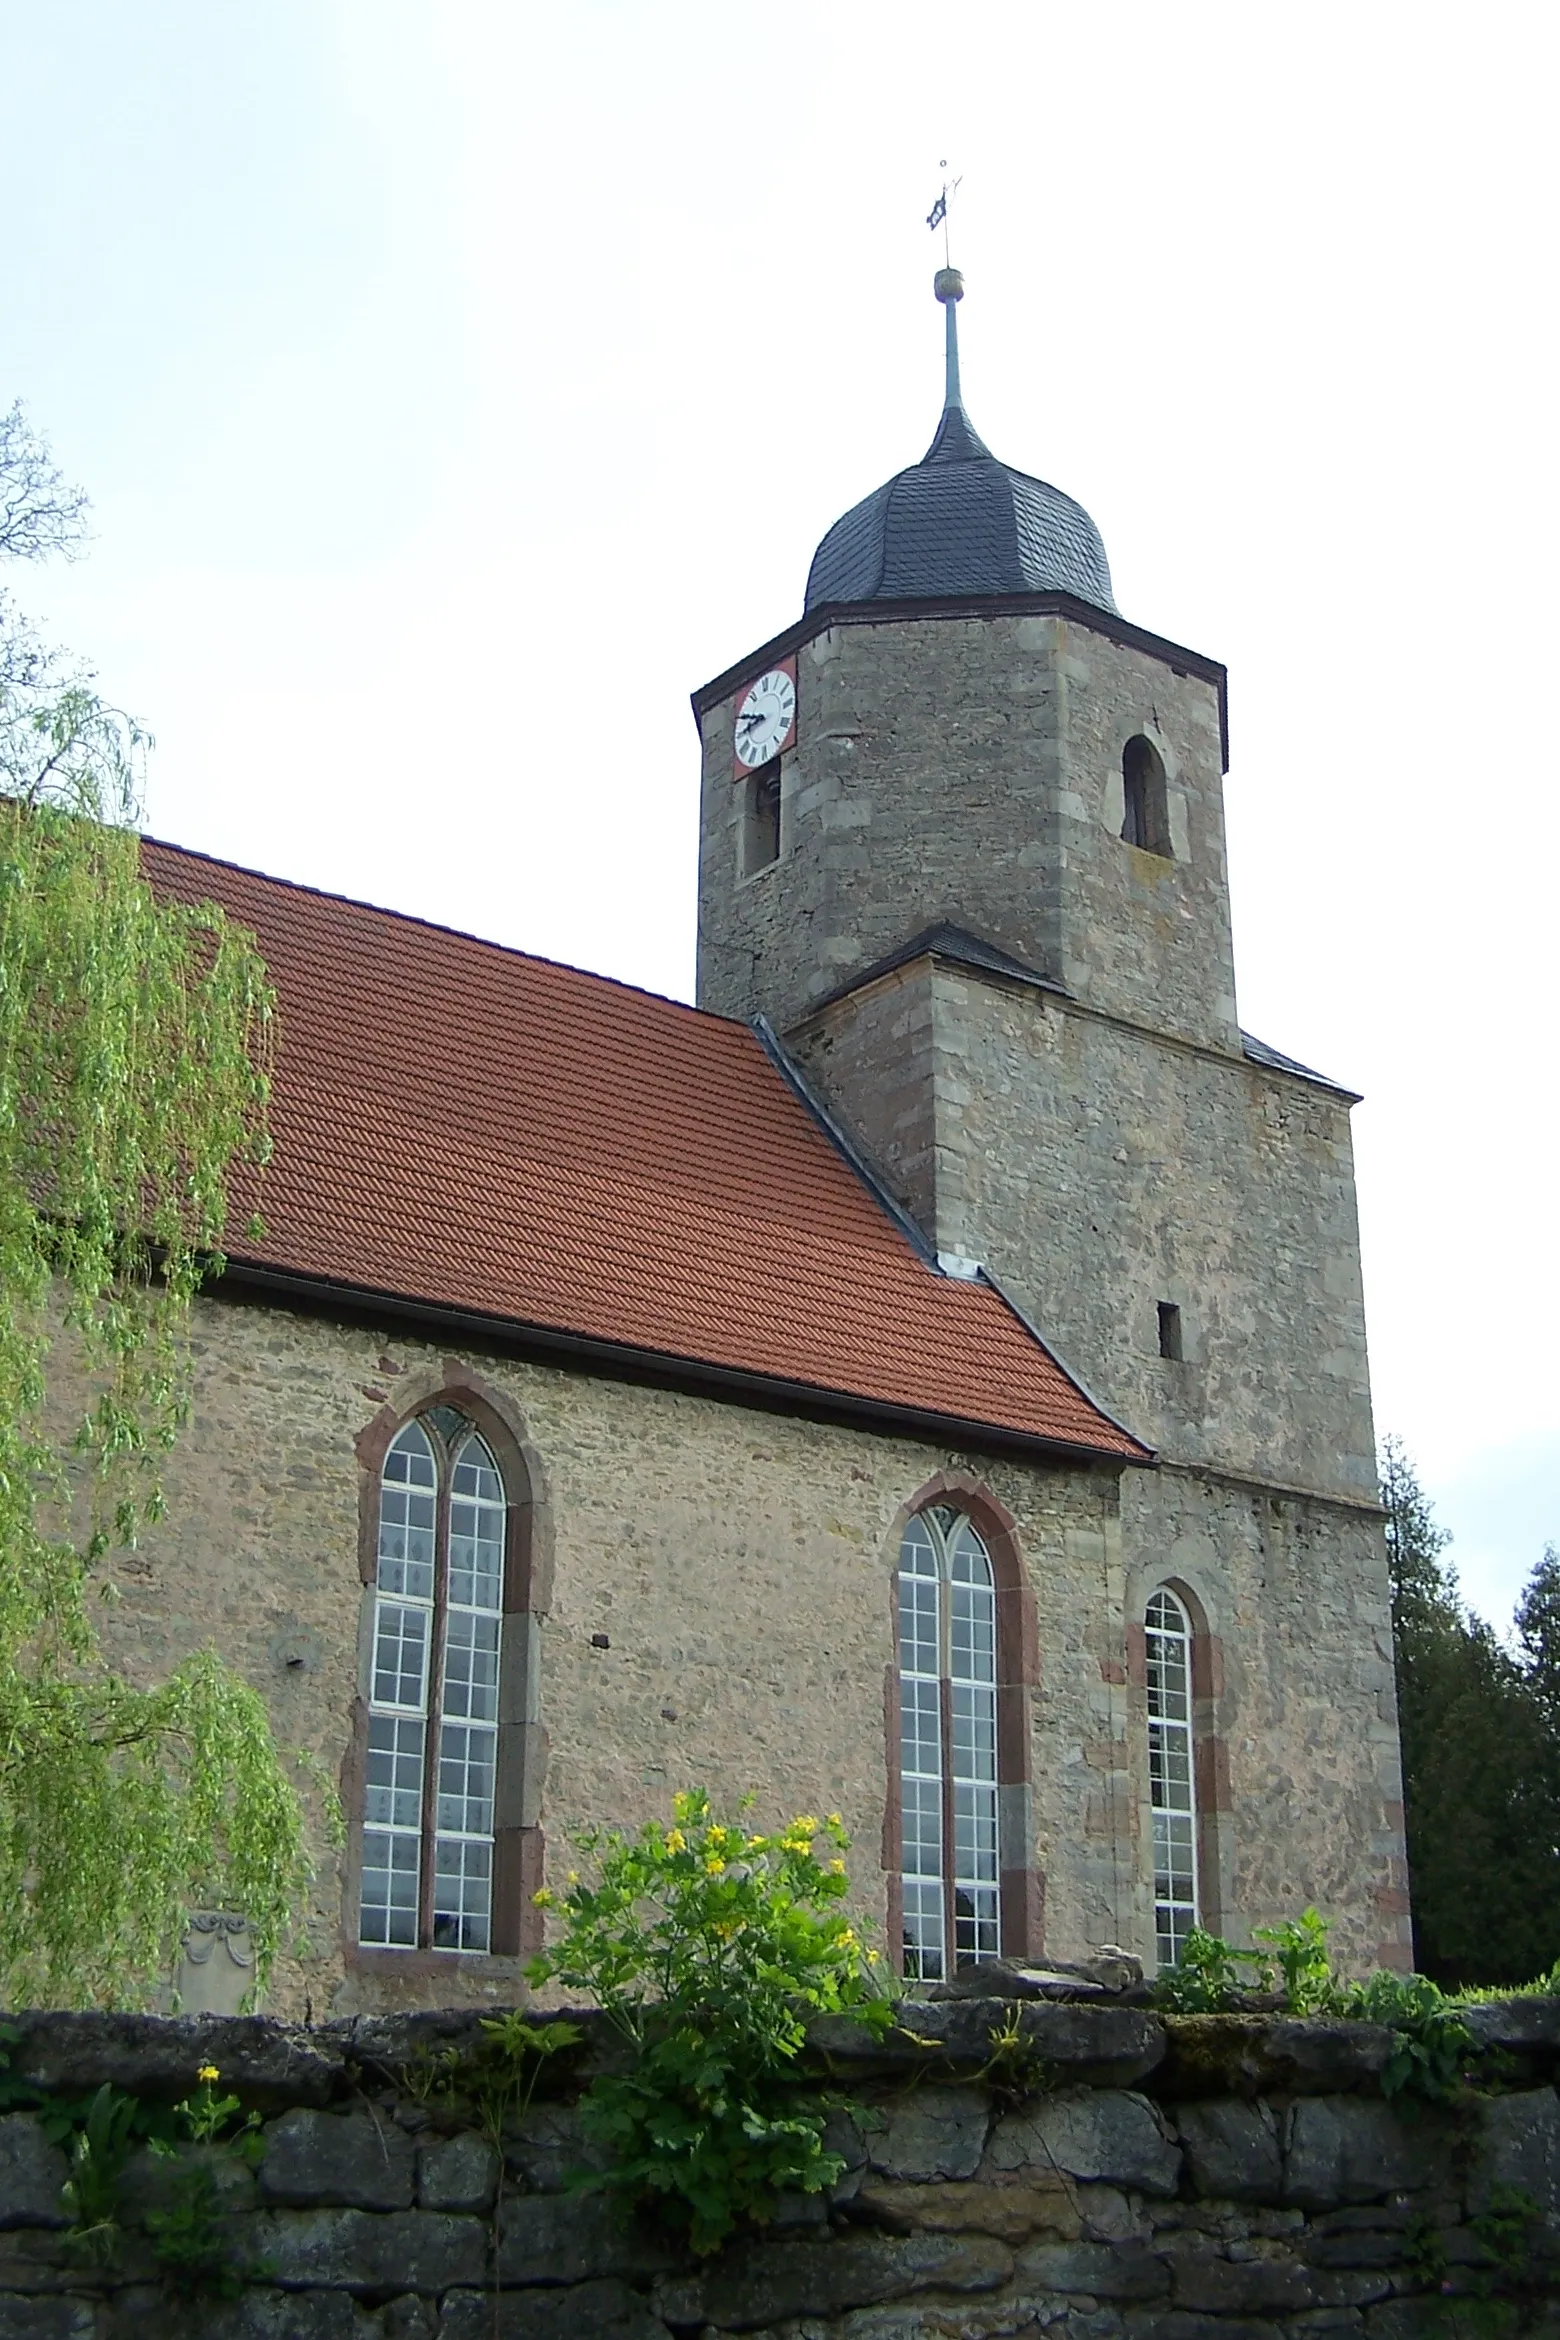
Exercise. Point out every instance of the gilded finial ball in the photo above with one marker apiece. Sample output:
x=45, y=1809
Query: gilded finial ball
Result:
x=948, y=285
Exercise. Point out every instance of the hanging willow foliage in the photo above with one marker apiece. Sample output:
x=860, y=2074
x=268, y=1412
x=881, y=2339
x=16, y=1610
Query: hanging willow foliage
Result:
x=134, y=1042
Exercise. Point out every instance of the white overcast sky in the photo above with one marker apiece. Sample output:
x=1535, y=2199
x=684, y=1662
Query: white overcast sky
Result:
x=460, y=382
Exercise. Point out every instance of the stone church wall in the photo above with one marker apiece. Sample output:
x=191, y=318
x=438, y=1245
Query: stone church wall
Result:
x=740, y=1564
x=1099, y=1169
x=1192, y=2179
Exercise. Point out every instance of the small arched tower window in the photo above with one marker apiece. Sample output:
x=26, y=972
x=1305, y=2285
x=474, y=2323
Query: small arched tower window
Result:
x=948, y=1745
x=1171, y=1772
x=1146, y=818
x=428, y=1827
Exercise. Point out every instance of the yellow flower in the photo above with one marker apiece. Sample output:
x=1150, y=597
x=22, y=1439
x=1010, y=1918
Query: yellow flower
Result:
x=835, y=1821
x=806, y=1825
x=574, y=1876
x=847, y=1940
x=715, y=1836
x=836, y=1868
x=543, y=1900
x=208, y=2073
x=714, y=1864
x=754, y=1844
x=874, y=1957
x=676, y=1842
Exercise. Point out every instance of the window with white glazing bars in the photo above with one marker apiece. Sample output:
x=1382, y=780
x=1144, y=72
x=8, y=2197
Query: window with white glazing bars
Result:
x=427, y=1877
x=1172, y=1788
x=947, y=1746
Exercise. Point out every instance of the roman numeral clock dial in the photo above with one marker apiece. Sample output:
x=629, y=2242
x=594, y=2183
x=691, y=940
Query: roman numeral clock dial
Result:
x=766, y=718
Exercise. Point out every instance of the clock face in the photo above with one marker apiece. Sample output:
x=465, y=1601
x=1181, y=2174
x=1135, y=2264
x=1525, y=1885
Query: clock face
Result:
x=765, y=718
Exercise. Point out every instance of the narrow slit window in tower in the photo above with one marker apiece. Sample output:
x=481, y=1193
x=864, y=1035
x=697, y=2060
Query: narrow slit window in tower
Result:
x=761, y=818
x=1146, y=821
x=1170, y=1330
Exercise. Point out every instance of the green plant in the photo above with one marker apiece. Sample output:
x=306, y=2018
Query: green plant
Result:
x=500, y=2078
x=709, y=1947
x=1424, y=2252
x=188, y=2238
x=1211, y=1977
x=1299, y=1948
x=135, y=1037
x=101, y=2146
x=205, y=2115
x=1430, y=2045
x=1015, y=2070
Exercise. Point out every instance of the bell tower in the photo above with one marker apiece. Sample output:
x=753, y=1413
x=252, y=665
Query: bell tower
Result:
x=962, y=846
x=979, y=740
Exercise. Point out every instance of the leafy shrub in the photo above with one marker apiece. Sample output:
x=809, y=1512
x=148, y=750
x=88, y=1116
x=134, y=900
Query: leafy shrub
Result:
x=1211, y=1977
x=1299, y=1948
x=1431, y=2043
x=710, y=1948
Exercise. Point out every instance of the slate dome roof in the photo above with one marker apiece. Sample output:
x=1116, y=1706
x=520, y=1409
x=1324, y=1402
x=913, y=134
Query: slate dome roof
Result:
x=960, y=523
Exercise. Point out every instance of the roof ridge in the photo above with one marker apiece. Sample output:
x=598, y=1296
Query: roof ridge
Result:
x=436, y=926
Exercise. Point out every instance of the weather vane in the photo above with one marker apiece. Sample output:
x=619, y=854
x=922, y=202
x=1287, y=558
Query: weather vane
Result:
x=937, y=217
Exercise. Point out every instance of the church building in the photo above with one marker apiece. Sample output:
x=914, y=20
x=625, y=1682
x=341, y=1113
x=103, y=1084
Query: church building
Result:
x=926, y=1379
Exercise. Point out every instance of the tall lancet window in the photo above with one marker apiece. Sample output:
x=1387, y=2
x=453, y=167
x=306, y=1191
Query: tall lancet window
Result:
x=1172, y=1779
x=948, y=1745
x=433, y=1691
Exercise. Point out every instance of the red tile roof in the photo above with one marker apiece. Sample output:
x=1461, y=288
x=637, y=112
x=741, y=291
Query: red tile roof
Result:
x=476, y=1130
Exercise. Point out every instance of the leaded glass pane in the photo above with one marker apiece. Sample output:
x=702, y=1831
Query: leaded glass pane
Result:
x=918, y=1608
x=389, y=1900
x=922, y=1825
x=923, y=1930
x=477, y=1512
x=407, y=1502
x=466, y=1760
x=462, y=1892
x=400, y=1655
x=471, y=1666
x=393, y=1798
x=968, y=1560
x=976, y=1929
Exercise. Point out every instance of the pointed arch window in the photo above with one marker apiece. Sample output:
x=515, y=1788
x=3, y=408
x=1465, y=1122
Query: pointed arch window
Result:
x=433, y=1705
x=1171, y=1772
x=951, y=1884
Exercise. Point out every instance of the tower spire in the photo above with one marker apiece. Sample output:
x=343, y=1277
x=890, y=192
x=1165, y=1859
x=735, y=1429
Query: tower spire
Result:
x=948, y=285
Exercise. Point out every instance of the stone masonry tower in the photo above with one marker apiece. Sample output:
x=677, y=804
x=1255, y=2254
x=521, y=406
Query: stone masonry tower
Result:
x=962, y=846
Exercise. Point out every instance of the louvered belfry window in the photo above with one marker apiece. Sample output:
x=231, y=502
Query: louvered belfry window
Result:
x=1172, y=1781
x=948, y=1745
x=427, y=1877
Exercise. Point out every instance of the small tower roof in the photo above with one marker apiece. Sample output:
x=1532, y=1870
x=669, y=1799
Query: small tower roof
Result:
x=959, y=522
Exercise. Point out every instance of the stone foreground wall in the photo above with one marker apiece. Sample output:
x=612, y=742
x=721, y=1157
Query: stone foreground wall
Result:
x=1204, y=2179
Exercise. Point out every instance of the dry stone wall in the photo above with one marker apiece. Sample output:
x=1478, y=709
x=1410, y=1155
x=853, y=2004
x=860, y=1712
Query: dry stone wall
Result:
x=1193, y=2179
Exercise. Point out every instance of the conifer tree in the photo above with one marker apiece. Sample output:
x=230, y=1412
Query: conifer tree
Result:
x=133, y=1044
x=1479, y=1759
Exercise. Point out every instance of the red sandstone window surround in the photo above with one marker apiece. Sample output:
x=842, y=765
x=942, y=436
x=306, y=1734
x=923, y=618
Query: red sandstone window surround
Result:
x=962, y=1883
x=442, y=1864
